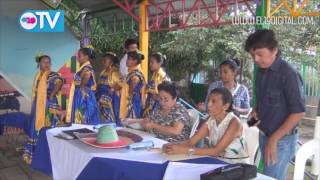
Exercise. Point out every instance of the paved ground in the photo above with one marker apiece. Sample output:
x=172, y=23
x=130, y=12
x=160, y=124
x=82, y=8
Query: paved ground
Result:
x=11, y=165
x=13, y=168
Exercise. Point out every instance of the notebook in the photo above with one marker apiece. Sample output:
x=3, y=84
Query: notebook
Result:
x=82, y=130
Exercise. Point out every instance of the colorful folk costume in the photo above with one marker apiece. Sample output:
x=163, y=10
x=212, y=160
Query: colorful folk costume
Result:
x=152, y=90
x=109, y=99
x=45, y=111
x=82, y=106
x=131, y=106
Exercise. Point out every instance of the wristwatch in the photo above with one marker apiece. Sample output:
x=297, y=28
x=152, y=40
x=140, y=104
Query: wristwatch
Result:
x=190, y=152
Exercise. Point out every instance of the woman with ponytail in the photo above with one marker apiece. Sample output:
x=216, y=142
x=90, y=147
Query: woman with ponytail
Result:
x=228, y=73
x=45, y=110
x=108, y=93
x=82, y=105
x=157, y=61
x=132, y=93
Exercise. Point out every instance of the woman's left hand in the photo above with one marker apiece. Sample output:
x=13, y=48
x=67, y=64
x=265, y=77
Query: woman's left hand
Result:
x=84, y=92
x=145, y=123
x=149, y=125
x=174, y=149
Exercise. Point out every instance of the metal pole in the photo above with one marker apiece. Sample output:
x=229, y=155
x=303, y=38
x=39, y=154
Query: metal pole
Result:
x=144, y=37
x=85, y=40
x=260, y=12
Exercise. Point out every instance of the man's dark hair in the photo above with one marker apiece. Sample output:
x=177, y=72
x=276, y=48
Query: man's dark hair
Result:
x=130, y=42
x=263, y=38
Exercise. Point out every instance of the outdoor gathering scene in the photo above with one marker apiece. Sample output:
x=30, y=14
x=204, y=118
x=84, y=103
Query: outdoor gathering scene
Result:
x=159, y=89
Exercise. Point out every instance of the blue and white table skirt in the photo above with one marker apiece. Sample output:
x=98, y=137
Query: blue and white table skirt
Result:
x=71, y=159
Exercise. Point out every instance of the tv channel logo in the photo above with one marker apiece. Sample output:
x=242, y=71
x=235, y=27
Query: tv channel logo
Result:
x=42, y=21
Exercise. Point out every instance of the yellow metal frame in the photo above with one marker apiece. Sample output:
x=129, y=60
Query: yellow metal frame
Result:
x=293, y=11
x=268, y=6
x=144, y=37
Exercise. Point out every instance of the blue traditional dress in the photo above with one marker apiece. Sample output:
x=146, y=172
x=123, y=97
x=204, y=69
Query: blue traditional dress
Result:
x=131, y=106
x=45, y=112
x=82, y=106
x=109, y=100
x=152, y=90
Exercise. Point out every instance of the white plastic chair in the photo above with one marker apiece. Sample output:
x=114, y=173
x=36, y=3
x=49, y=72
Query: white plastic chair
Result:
x=195, y=119
x=307, y=150
x=251, y=135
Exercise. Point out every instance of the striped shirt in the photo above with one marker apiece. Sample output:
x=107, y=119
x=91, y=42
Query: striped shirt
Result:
x=241, y=98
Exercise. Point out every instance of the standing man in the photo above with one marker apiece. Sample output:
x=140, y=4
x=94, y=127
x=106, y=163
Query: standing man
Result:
x=131, y=45
x=280, y=103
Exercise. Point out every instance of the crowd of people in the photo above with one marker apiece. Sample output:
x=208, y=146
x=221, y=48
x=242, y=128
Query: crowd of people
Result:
x=122, y=92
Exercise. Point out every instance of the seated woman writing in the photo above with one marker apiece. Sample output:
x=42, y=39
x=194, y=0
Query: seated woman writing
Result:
x=223, y=129
x=170, y=121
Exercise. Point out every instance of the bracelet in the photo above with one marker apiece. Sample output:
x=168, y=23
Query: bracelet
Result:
x=190, y=151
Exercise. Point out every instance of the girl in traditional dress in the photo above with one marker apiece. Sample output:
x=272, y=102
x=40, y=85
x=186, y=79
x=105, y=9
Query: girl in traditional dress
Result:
x=82, y=106
x=132, y=93
x=45, y=110
x=157, y=61
x=108, y=93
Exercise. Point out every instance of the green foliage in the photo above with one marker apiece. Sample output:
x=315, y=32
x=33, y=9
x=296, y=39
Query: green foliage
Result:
x=193, y=49
x=108, y=41
x=296, y=40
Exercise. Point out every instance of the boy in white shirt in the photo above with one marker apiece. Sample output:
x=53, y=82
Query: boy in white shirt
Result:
x=130, y=45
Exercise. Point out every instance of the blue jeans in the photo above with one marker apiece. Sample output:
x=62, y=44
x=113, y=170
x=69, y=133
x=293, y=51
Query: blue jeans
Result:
x=286, y=149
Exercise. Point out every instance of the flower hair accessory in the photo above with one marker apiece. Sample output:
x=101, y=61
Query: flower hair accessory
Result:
x=111, y=53
x=89, y=46
x=38, y=57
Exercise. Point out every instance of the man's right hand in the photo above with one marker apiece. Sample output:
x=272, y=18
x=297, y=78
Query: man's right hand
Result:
x=253, y=119
x=253, y=114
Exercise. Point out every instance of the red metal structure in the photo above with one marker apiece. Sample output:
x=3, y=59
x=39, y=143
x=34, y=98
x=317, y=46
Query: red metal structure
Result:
x=128, y=7
x=181, y=14
x=169, y=15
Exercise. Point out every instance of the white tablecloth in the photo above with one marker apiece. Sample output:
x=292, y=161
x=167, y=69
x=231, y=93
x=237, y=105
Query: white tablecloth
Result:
x=70, y=157
x=189, y=171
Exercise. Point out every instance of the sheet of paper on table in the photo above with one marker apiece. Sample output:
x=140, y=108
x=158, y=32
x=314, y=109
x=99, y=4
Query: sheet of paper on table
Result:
x=180, y=157
x=176, y=157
